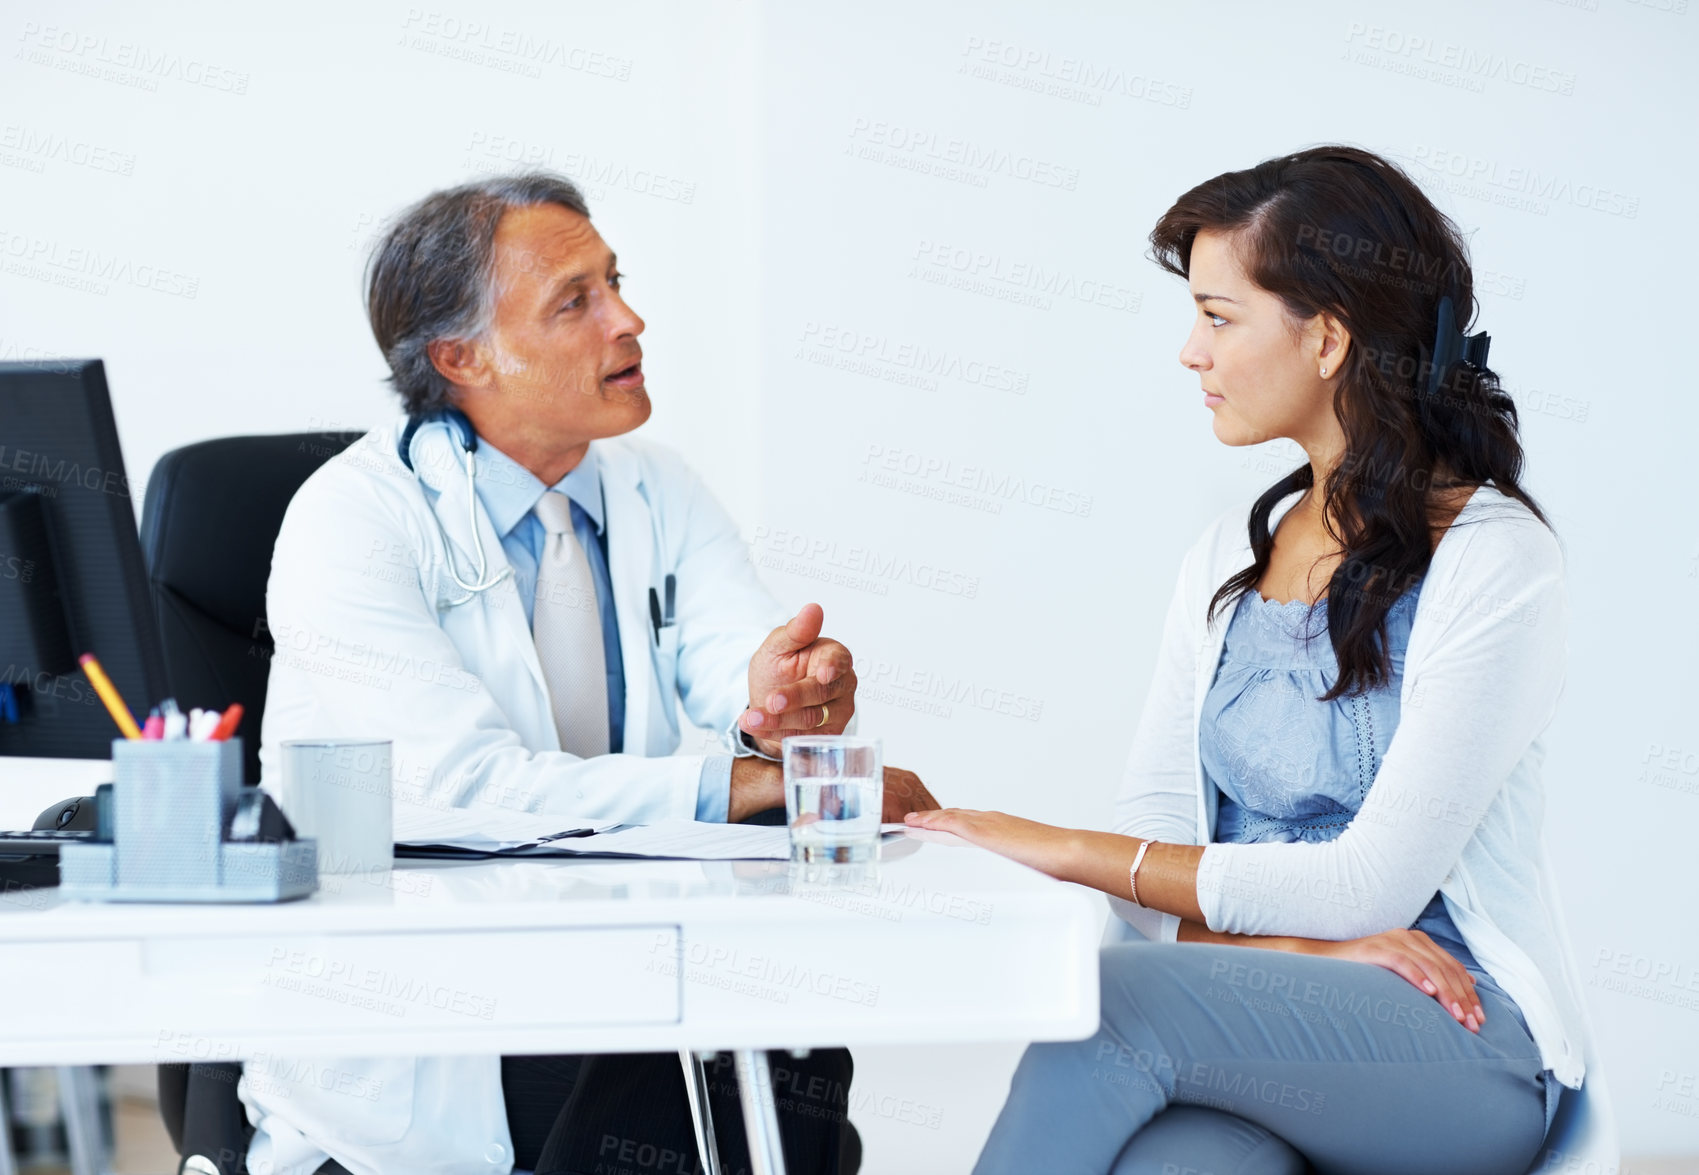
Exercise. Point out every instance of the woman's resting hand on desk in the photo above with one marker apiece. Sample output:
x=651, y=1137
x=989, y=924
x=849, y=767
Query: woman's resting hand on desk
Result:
x=1043, y=847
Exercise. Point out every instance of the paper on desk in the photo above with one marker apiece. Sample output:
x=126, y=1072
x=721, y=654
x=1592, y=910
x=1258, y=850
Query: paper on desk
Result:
x=693, y=840
x=690, y=840
x=484, y=828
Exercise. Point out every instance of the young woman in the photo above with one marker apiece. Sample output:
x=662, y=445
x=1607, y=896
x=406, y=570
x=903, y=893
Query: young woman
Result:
x=1330, y=822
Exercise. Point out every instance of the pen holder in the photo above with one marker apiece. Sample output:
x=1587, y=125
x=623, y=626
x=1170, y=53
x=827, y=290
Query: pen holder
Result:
x=174, y=804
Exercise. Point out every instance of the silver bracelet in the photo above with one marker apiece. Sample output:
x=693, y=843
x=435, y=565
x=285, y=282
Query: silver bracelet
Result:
x=1133, y=873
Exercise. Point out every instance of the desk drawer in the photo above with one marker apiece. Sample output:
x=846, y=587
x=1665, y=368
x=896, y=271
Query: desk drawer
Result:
x=362, y=983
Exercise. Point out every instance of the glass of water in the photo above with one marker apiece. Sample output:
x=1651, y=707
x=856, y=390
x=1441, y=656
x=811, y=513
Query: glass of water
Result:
x=834, y=797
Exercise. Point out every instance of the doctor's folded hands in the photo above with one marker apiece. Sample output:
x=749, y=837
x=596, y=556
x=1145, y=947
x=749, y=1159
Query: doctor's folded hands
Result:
x=521, y=597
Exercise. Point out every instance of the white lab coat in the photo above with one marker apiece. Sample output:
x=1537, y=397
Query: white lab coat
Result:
x=364, y=650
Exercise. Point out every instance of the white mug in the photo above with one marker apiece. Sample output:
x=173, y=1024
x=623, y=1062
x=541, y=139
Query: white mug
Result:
x=339, y=792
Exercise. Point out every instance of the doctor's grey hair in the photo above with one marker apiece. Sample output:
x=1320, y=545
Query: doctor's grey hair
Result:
x=433, y=275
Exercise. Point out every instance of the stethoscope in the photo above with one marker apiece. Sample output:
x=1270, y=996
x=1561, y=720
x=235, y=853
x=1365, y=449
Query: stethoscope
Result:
x=456, y=422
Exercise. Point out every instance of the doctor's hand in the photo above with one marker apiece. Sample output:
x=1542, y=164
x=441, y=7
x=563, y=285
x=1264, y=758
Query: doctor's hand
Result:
x=758, y=785
x=904, y=793
x=799, y=683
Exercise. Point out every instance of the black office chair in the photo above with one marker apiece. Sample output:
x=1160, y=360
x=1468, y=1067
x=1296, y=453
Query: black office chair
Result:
x=209, y=522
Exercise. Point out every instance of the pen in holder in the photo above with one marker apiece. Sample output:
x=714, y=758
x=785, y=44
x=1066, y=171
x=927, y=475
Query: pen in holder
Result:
x=184, y=829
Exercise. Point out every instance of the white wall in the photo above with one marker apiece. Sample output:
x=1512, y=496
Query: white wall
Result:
x=260, y=201
x=811, y=223
x=1587, y=307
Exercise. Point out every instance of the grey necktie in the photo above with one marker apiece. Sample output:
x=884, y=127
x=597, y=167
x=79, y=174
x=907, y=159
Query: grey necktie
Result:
x=567, y=627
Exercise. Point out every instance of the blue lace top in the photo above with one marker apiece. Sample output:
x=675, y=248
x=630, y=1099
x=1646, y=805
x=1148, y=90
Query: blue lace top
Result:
x=1286, y=766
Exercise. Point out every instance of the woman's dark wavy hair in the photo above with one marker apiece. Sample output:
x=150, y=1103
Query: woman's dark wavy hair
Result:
x=1339, y=230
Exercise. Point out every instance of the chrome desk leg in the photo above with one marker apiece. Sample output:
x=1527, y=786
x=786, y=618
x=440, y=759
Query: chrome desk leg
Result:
x=79, y=1102
x=8, y=1161
x=701, y=1113
x=760, y=1116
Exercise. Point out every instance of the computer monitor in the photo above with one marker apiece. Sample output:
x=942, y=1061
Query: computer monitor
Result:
x=72, y=579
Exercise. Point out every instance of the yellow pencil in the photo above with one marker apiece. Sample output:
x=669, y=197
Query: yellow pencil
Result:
x=109, y=694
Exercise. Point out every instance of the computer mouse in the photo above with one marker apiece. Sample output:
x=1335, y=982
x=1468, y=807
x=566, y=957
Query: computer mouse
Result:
x=78, y=814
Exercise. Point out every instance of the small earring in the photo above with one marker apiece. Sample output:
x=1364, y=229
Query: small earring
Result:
x=1324, y=371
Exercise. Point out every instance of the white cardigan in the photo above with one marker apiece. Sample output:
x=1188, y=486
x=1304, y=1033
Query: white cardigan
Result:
x=1457, y=804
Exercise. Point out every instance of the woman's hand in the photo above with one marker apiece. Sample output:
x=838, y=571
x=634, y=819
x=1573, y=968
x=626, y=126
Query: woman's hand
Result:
x=1167, y=880
x=1043, y=847
x=1420, y=960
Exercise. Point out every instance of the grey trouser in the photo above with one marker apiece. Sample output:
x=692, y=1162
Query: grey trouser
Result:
x=1270, y=1060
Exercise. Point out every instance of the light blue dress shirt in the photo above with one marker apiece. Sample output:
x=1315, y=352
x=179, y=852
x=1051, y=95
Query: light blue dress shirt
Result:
x=509, y=494
x=1286, y=766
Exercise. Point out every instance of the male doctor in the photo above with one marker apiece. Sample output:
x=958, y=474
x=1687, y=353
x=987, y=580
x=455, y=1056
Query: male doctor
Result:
x=519, y=601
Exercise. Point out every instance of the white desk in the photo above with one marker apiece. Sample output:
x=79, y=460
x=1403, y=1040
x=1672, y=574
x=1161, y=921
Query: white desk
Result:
x=936, y=942
x=945, y=943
